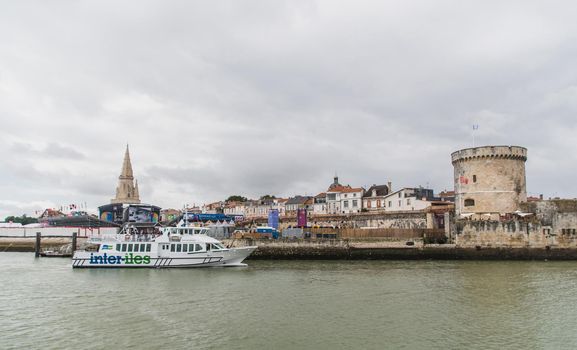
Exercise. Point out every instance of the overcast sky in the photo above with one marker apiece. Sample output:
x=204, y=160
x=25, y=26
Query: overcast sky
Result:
x=256, y=97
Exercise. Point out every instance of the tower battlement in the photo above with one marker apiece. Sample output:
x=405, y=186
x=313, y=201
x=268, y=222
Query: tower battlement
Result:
x=503, y=152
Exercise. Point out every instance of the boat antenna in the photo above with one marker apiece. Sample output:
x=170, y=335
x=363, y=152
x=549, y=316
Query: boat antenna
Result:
x=186, y=216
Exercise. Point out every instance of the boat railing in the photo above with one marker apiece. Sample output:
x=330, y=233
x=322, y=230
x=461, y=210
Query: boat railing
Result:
x=136, y=237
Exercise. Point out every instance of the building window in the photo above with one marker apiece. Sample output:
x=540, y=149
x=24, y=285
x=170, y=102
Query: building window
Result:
x=346, y=204
x=378, y=203
x=368, y=204
x=390, y=204
x=355, y=204
x=400, y=204
x=469, y=202
x=408, y=201
x=399, y=194
x=474, y=178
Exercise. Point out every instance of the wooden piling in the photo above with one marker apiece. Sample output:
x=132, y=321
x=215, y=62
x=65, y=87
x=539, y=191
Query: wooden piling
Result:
x=74, y=238
x=37, y=245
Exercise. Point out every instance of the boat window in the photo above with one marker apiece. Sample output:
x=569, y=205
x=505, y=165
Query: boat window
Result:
x=191, y=247
x=173, y=230
x=124, y=247
x=184, y=246
x=118, y=247
x=148, y=247
x=172, y=247
x=178, y=248
x=198, y=248
x=142, y=247
x=130, y=247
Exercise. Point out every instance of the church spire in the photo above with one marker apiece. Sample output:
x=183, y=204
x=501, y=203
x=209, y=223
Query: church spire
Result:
x=127, y=190
x=126, y=172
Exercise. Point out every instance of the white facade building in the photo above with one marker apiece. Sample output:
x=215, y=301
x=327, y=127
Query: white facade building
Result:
x=409, y=199
x=351, y=200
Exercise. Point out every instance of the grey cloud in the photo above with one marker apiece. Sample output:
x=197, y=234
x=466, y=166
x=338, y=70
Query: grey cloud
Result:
x=51, y=150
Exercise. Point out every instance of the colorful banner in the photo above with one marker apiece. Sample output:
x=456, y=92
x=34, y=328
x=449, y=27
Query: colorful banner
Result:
x=273, y=218
x=301, y=217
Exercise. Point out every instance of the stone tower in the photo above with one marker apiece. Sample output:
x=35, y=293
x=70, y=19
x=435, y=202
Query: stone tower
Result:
x=489, y=179
x=127, y=189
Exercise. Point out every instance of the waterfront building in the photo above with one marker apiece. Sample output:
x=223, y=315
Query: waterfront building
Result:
x=298, y=202
x=351, y=200
x=374, y=197
x=213, y=208
x=447, y=196
x=343, y=199
x=127, y=189
x=334, y=196
x=489, y=180
x=320, y=204
x=409, y=199
x=233, y=208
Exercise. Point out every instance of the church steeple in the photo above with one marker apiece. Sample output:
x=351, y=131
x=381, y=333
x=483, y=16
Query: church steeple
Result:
x=126, y=172
x=127, y=190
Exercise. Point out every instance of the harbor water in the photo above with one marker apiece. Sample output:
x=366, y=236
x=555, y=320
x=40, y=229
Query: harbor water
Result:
x=45, y=304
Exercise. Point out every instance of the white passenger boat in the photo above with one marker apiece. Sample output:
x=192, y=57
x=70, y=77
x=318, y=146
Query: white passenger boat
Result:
x=174, y=247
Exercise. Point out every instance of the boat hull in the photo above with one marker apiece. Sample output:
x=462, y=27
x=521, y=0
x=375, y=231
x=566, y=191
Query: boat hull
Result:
x=226, y=258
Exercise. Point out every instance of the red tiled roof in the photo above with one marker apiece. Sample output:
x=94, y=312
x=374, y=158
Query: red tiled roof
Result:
x=338, y=188
x=350, y=190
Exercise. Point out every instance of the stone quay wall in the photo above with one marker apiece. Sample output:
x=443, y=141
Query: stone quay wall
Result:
x=547, y=223
x=349, y=250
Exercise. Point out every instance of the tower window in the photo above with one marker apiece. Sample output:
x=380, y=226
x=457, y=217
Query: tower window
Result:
x=469, y=202
x=474, y=178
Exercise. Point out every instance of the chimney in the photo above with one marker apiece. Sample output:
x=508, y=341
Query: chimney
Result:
x=390, y=185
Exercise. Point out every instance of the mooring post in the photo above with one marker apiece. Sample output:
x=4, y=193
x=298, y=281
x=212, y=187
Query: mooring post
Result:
x=37, y=245
x=74, y=237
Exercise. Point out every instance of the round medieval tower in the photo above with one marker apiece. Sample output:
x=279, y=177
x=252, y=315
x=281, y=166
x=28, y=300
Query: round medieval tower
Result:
x=489, y=179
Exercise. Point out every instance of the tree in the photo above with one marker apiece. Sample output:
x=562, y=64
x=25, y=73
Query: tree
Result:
x=24, y=220
x=267, y=196
x=236, y=198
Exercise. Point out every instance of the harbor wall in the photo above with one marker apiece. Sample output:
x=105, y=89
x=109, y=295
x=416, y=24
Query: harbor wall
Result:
x=346, y=250
x=381, y=233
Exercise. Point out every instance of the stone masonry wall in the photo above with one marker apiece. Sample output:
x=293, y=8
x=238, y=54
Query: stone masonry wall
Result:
x=492, y=176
